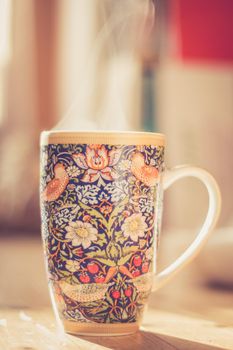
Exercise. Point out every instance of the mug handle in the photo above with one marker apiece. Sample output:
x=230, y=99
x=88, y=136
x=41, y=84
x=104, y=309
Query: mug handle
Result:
x=189, y=254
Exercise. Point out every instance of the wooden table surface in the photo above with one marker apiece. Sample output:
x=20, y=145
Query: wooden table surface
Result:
x=186, y=314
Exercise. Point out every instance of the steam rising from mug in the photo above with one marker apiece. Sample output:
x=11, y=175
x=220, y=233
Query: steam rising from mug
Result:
x=108, y=95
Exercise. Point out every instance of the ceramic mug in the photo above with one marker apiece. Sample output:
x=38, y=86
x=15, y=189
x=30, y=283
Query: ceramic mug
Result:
x=101, y=206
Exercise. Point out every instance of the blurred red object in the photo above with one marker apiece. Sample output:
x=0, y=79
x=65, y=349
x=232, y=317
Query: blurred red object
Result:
x=202, y=29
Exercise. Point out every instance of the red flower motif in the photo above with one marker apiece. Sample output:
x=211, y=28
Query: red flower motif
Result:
x=98, y=162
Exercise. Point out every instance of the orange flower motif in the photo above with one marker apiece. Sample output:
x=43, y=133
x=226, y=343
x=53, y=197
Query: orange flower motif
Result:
x=98, y=163
x=106, y=209
x=56, y=186
x=97, y=157
x=145, y=173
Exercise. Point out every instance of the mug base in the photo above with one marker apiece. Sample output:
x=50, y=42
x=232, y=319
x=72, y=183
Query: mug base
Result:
x=100, y=329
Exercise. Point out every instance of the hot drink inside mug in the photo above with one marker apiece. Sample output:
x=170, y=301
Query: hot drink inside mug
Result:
x=101, y=207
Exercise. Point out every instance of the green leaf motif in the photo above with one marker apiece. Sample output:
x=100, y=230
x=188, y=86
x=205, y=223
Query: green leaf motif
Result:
x=64, y=253
x=120, y=207
x=131, y=249
x=94, y=213
x=98, y=254
x=65, y=273
x=124, y=315
x=101, y=242
x=142, y=243
x=113, y=251
x=120, y=238
x=107, y=261
x=124, y=259
x=101, y=256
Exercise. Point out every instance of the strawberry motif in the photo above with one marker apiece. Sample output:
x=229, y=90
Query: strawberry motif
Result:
x=98, y=224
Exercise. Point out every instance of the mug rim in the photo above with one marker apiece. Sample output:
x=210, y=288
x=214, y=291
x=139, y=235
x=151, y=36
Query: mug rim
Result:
x=102, y=137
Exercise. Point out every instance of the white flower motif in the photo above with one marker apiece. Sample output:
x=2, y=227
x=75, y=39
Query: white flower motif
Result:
x=81, y=233
x=73, y=171
x=134, y=226
x=72, y=265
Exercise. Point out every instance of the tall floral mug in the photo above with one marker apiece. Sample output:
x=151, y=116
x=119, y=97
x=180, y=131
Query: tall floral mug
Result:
x=101, y=206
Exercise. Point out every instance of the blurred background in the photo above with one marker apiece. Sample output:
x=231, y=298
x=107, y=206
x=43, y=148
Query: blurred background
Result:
x=163, y=66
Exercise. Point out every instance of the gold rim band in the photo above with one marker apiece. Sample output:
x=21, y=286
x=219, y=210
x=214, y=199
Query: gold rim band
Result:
x=100, y=328
x=104, y=137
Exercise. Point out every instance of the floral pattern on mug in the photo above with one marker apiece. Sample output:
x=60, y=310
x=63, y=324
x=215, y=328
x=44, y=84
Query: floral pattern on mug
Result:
x=81, y=233
x=134, y=227
x=99, y=223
